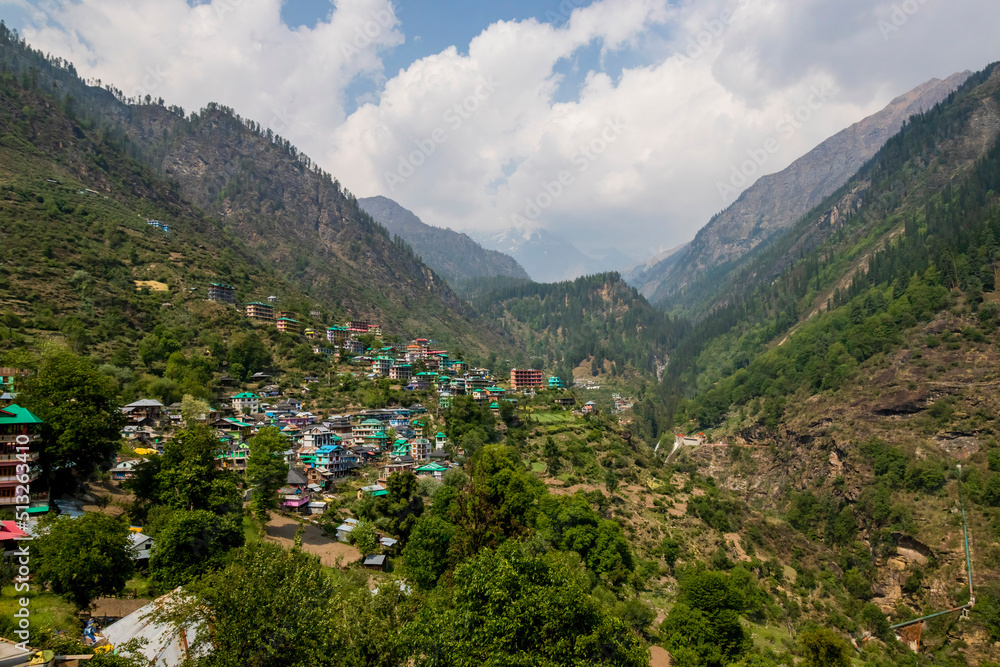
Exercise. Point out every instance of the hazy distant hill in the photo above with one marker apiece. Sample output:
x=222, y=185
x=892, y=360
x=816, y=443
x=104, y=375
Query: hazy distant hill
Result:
x=453, y=255
x=546, y=257
x=776, y=201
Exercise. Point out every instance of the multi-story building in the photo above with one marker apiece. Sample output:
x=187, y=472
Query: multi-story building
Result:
x=259, y=311
x=336, y=335
x=400, y=372
x=288, y=325
x=556, y=383
x=222, y=292
x=318, y=436
x=245, y=403
x=19, y=446
x=521, y=378
x=367, y=428
x=381, y=365
x=420, y=449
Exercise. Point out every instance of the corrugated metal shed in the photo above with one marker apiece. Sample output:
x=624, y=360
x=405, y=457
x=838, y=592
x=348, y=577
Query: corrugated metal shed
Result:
x=167, y=645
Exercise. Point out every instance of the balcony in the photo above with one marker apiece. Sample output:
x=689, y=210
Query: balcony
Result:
x=31, y=456
x=11, y=480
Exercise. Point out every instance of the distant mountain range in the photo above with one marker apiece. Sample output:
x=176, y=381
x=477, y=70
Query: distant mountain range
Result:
x=550, y=258
x=776, y=201
x=451, y=254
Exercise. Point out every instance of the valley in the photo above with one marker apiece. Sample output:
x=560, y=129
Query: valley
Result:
x=335, y=434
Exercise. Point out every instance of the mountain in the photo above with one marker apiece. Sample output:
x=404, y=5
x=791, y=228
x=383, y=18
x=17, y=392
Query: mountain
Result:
x=546, y=257
x=776, y=201
x=634, y=273
x=454, y=256
x=595, y=319
x=287, y=211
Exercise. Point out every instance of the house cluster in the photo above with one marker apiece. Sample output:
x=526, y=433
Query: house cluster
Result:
x=321, y=450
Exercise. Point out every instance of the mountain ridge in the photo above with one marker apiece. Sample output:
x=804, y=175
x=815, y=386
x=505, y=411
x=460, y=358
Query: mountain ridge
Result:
x=773, y=203
x=454, y=255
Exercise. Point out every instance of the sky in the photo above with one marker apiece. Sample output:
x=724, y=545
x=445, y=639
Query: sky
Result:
x=612, y=123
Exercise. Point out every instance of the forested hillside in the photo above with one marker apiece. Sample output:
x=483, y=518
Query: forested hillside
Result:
x=284, y=208
x=595, y=319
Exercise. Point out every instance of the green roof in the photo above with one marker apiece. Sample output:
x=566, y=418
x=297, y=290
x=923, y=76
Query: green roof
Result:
x=15, y=414
x=246, y=394
x=440, y=435
x=371, y=422
x=287, y=319
x=431, y=467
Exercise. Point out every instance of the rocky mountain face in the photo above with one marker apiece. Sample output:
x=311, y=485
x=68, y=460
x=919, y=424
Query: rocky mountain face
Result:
x=454, y=256
x=776, y=201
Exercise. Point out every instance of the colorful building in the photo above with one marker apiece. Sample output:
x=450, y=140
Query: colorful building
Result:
x=288, y=325
x=245, y=403
x=259, y=311
x=19, y=445
x=521, y=378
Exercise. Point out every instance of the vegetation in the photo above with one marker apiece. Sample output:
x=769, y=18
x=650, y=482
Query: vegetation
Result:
x=83, y=558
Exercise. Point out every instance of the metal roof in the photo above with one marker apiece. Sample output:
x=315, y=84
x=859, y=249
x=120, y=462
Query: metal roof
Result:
x=166, y=645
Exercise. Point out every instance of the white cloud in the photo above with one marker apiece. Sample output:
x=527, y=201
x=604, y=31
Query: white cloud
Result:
x=488, y=132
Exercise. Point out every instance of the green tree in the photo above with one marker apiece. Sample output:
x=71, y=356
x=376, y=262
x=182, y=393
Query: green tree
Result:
x=85, y=557
x=247, y=351
x=191, y=544
x=80, y=408
x=401, y=506
x=193, y=409
x=364, y=537
x=611, y=481
x=515, y=607
x=709, y=602
x=270, y=607
x=425, y=556
x=186, y=477
x=823, y=647
x=266, y=470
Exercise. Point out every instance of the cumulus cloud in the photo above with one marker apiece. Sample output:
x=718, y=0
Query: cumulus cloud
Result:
x=486, y=136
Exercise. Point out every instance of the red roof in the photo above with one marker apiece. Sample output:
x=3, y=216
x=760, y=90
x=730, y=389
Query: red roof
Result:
x=10, y=531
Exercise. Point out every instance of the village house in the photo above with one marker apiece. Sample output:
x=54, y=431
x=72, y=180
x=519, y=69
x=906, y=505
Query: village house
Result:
x=381, y=365
x=432, y=469
x=521, y=378
x=259, y=311
x=556, y=383
x=420, y=449
x=19, y=444
x=336, y=335
x=146, y=407
x=589, y=407
x=365, y=429
x=222, y=292
x=288, y=325
x=124, y=470
x=245, y=403
x=143, y=545
x=400, y=372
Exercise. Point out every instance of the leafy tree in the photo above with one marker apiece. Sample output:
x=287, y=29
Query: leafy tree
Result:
x=709, y=606
x=193, y=409
x=191, y=544
x=267, y=605
x=515, y=607
x=498, y=504
x=671, y=550
x=401, y=506
x=364, y=537
x=186, y=477
x=425, y=556
x=247, y=354
x=85, y=557
x=570, y=523
x=80, y=408
x=823, y=647
x=266, y=470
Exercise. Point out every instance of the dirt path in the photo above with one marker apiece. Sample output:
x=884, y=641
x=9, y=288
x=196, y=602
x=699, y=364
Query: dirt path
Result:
x=658, y=657
x=332, y=553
